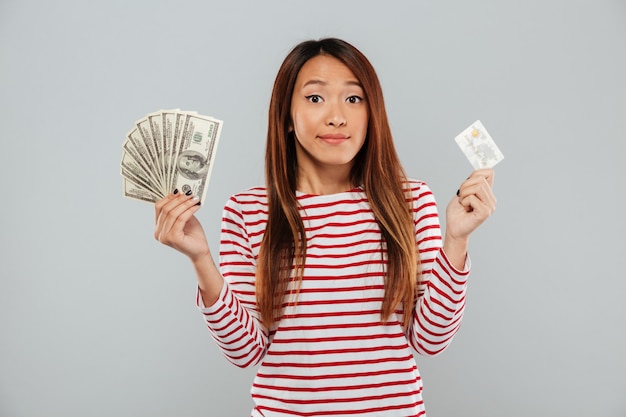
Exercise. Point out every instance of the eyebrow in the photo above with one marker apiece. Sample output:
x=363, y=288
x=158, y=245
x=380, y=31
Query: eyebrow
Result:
x=320, y=82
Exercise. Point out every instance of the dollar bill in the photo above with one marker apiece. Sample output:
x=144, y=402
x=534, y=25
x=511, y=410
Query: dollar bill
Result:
x=138, y=192
x=134, y=173
x=196, y=154
x=167, y=150
x=135, y=156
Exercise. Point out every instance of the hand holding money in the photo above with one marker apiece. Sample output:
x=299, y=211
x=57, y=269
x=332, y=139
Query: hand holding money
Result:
x=169, y=150
x=176, y=226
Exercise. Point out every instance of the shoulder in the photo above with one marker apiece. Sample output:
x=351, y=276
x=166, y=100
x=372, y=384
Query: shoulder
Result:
x=417, y=188
x=251, y=195
x=421, y=198
x=252, y=200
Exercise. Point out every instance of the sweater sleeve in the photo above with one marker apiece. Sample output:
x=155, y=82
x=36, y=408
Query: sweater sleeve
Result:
x=233, y=320
x=440, y=300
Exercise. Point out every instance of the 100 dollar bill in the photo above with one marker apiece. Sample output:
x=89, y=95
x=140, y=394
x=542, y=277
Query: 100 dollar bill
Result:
x=168, y=150
x=195, y=154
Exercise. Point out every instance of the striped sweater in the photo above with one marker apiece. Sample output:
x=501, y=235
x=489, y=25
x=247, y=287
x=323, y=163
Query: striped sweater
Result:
x=331, y=355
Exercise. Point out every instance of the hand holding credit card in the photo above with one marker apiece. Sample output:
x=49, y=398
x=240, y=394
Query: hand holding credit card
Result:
x=478, y=146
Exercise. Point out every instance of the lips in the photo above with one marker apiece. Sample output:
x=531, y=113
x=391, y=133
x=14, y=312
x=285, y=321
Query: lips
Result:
x=334, y=138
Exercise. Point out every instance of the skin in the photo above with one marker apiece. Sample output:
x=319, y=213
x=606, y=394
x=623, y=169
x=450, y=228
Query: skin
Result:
x=474, y=204
x=329, y=119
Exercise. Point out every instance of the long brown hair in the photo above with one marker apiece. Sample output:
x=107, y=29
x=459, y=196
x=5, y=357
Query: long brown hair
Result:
x=376, y=167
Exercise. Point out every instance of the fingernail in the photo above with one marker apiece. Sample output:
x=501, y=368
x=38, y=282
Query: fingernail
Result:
x=458, y=192
x=188, y=192
x=198, y=203
x=175, y=191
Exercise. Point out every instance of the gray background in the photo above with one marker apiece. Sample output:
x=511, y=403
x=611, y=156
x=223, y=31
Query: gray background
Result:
x=98, y=319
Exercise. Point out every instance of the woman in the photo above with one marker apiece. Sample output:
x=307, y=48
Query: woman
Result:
x=336, y=268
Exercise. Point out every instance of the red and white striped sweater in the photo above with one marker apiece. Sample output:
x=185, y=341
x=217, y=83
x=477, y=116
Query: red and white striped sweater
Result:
x=331, y=355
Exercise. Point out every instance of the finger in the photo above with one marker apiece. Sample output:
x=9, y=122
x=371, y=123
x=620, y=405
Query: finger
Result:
x=487, y=173
x=158, y=206
x=475, y=185
x=189, y=209
x=165, y=206
x=480, y=188
x=172, y=208
x=478, y=178
x=174, y=216
x=479, y=208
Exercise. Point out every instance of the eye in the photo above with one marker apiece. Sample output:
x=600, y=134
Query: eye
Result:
x=354, y=99
x=314, y=98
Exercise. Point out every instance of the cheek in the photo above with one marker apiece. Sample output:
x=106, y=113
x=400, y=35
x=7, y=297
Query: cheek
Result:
x=293, y=119
x=364, y=125
x=294, y=123
x=298, y=123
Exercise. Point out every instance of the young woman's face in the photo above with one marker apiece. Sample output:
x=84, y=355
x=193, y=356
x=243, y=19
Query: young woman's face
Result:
x=329, y=115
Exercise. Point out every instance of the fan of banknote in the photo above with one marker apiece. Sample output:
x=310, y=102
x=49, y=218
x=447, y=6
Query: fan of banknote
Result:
x=168, y=150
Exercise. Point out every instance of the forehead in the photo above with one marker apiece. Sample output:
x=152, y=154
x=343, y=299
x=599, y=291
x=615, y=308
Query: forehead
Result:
x=325, y=69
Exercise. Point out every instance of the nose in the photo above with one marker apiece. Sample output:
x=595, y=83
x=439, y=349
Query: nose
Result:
x=335, y=116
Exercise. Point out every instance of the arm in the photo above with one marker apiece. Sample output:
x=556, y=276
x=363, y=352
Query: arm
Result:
x=235, y=330
x=445, y=267
x=177, y=227
x=233, y=319
x=475, y=202
x=441, y=292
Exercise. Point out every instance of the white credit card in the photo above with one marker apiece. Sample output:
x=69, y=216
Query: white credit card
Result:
x=478, y=146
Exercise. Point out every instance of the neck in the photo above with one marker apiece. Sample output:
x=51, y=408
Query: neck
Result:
x=329, y=181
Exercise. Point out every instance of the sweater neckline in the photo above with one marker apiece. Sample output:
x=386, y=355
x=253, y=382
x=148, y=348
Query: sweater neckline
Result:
x=357, y=189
